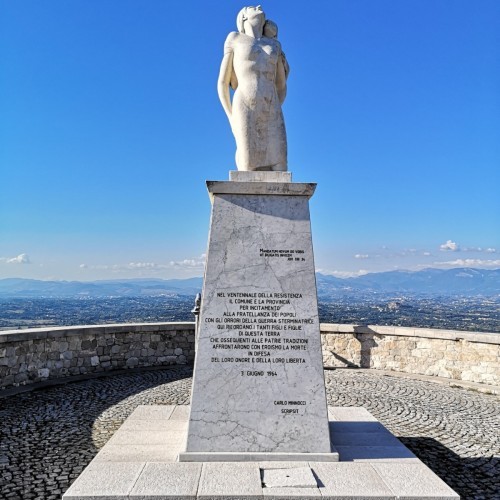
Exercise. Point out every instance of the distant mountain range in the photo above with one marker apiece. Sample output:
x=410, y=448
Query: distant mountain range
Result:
x=461, y=281
x=26, y=288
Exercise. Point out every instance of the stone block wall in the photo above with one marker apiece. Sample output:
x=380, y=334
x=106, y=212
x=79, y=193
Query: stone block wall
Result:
x=466, y=356
x=44, y=354
x=38, y=355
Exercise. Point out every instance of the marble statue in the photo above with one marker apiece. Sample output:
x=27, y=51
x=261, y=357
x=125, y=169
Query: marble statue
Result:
x=255, y=67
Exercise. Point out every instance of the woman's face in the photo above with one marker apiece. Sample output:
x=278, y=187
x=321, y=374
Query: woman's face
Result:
x=254, y=12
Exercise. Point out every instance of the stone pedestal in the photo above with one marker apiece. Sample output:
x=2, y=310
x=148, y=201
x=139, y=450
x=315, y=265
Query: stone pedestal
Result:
x=258, y=388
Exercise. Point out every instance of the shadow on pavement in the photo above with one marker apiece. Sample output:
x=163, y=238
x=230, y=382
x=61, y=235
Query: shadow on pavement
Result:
x=470, y=477
x=48, y=436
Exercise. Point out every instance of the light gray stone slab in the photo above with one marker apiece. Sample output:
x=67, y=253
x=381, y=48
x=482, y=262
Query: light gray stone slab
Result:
x=131, y=437
x=138, y=453
x=364, y=439
x=261, y=188
x=105, y=481
x=376, y=454
x=160, y=481
x=283, y=493
x=181, y=413
x=350, y=414
x=154, y=425
x=361, y=427
x=346, y=481
x=156, y=412
x=282, y=465
x=258, y=384
x=414, y=481
x=259, y=176
x=297, y=477
x=219, y=456
x=226, y=480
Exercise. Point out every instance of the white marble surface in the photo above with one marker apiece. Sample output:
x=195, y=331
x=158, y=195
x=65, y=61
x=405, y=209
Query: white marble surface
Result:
x=261, y=188
x=145, y=474
x=259, y=176
x=258, y=382
x=255, y=67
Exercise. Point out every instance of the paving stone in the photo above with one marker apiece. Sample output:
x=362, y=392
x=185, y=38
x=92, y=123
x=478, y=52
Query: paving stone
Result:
x=154, y=425
x=138, y=453
x=414, y=482
x=298, y=477
x=105, y=481
x=363, y=439
x=283, y=493
x=173, y=481
x=351, y=414
x=223, y=479
x=282, y=465
x=346, y=481
x=364, y=427
x=375, y=453
x=180, y=413
x=131, y=437
x=146, y=412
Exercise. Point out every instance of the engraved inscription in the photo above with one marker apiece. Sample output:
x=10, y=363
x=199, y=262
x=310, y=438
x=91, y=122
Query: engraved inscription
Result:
x=290, y=254
x=262, y=334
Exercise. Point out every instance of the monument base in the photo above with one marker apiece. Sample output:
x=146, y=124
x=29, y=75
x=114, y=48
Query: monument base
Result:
x=139, y=462
x=257, y=457
x=258, y=384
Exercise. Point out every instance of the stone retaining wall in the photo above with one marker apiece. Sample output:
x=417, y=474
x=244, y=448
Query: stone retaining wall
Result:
x=41, y=354
x=465, y=356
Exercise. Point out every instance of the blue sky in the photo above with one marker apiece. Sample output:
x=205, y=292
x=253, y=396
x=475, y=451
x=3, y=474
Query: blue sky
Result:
x=110, y=124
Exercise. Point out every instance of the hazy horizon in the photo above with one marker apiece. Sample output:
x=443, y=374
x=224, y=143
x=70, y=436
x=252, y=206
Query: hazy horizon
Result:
x=152, y=278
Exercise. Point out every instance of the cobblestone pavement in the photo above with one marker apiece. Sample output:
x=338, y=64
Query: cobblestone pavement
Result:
x=47, y=437
x=455, y=432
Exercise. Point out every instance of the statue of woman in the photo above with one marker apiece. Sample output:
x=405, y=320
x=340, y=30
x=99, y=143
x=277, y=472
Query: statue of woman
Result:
x=255, y=67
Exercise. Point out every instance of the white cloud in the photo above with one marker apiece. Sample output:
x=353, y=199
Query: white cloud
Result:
x=196, y=263
x=449, y=246
x=483, y=263
x=131, y=266
x=144, y=265
x=20, y=259
x=361, y=256
x=189, y=263
x=405, y=253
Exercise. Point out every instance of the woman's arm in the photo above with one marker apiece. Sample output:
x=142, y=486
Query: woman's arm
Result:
x=226, y=69
x=281, y=76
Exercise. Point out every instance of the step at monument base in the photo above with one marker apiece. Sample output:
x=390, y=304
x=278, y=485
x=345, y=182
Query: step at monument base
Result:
x=257, y=457
x=140, y=462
